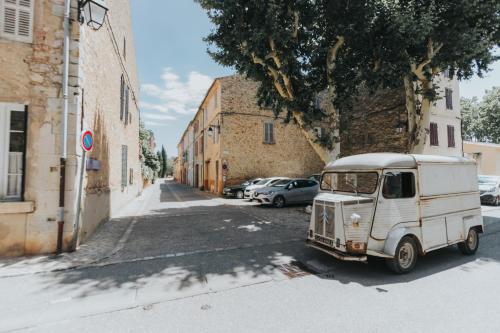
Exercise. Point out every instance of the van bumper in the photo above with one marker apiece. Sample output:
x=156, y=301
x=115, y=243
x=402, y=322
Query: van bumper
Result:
x=335, y=253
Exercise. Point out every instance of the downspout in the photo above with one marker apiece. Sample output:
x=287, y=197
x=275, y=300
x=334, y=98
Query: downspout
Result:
x=64, y=122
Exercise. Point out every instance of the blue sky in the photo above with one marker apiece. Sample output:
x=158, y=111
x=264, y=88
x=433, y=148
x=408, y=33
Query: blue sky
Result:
x=175, y=70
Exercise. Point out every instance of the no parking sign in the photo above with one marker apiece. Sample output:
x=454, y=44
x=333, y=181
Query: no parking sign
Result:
x=87, y=140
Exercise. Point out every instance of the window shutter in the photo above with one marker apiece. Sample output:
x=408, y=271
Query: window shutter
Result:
x=449, y=98
x=17, y=20
x=271, y=131
x=126, y=103
x=124, y=165
x=122, y=96
x=451, y=136
x=434, y=134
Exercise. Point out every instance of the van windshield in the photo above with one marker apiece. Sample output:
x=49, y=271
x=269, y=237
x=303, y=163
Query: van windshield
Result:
x=352, y=182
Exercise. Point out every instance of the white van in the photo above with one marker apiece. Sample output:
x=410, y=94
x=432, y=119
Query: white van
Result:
x=396, y=206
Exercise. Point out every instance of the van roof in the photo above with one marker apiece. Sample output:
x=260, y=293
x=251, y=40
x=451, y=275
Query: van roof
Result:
x=375, y=161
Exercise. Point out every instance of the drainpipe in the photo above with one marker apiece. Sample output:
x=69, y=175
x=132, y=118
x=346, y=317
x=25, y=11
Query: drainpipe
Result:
x=64, y=122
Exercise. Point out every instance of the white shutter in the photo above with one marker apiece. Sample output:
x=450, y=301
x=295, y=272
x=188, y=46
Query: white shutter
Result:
x=17, y=20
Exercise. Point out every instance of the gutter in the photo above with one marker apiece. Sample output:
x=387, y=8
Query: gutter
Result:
x=64, y=123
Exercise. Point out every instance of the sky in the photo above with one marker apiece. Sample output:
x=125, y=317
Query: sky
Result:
x=175, y=70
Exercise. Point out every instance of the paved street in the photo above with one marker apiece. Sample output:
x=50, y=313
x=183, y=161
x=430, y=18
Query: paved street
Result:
x=178, y=260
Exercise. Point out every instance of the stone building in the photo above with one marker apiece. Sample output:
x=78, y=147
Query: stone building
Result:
x=487, y=156
x=378, y=123
x=231, y=139
x=103, y=91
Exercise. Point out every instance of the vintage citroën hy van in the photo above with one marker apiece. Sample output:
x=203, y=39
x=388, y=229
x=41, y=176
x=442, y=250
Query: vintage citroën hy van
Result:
x=396, y=206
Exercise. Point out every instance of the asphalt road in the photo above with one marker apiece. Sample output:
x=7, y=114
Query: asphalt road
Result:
x=185, y=261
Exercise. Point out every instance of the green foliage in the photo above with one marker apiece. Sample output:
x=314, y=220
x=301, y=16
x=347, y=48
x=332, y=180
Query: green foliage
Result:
x=290, y=46
x=481, y=120
x=164, y=161
x=149, y=161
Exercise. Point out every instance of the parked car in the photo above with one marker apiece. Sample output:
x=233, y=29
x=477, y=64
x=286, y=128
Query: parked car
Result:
x=238, y=191
x=396, y=206
x=287, y=191
x=489, y=189
x=249, y=191
x=316, y=177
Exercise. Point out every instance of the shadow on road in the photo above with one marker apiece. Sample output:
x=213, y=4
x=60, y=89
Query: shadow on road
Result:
x=199, y=248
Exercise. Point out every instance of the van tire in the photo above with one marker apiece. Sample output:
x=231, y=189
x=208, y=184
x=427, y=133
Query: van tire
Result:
x=279, y=202
x=471, y=243
x=405, y=257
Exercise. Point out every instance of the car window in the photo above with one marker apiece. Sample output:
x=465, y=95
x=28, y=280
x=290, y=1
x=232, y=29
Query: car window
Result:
x=262, y=182
x=302, y=183
x=399, y=185
x=311, y=183
x=281, y=182
x=274, y=181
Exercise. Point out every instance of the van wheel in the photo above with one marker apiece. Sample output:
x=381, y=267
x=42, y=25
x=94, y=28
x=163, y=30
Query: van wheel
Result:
x=239, y=194
x=471, y=243
x=405, y=257
x=279, y=202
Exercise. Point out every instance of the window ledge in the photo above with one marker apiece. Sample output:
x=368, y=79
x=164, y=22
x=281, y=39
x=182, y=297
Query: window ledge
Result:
x=17, y=207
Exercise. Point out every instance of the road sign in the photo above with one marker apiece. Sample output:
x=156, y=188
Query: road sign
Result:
x=87, y=140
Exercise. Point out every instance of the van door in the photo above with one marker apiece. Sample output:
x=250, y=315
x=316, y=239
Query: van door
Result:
x=397, y=202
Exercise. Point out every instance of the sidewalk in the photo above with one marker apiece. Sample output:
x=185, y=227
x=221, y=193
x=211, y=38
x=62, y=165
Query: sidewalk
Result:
x=101, y=245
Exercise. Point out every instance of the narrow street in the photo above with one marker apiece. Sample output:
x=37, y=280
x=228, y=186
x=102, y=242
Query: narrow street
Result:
x=180, y=260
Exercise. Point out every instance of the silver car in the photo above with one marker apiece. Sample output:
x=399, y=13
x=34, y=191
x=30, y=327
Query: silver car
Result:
x=288, y=191
x=489, y=189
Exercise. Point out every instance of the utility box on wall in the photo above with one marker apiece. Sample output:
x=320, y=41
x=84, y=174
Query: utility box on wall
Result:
x=93, y=164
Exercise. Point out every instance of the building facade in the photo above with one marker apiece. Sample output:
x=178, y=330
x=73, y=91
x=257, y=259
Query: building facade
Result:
x=103, y=92
x=487, y=156
x=233, y=139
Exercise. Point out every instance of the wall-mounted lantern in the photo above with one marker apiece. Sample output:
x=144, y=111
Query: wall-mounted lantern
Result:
x=94, y=12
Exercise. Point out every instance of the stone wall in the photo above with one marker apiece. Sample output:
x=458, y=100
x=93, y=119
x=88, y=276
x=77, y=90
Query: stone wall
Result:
x=377, y=123
x=242, y=133
x=31, y=74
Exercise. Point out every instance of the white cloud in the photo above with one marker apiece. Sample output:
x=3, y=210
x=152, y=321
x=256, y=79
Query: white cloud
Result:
x=156, y=116
x=176, y=95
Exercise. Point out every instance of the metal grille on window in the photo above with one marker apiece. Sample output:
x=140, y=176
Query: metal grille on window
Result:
x=124, y=165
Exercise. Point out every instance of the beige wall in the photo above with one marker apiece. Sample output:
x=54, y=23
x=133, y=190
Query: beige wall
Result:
x=487, y=156
x=31, y=74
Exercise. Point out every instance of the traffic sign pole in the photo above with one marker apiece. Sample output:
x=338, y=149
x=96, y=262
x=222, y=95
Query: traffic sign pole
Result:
x=87, y=143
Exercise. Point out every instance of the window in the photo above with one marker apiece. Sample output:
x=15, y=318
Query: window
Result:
x=434, y=134
x=131, y=176
x=122, y=97
x=16, y=17
x=124, y=165
x=12, y=150
x=451, y=136
x=268, y=132
x=124, y=48
x=399, y=185
x=124, y=101
x=350, y=182
x=320, y=131
x=448, y=93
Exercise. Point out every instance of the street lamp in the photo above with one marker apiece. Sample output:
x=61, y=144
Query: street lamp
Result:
x=94, y=12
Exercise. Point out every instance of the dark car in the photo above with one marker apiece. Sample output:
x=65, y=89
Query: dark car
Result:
x=238, y=191
x=288, y=191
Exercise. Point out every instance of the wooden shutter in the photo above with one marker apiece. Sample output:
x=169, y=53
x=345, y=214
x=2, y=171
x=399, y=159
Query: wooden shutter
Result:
x=124, y=165
x=268, y=132
x=122, y=96
x=449, y=98
x=127, y=92
x=451, y=136
x=434, y=134
x=17, y=20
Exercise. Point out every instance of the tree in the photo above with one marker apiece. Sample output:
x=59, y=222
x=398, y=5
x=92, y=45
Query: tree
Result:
x=481, y=120
x=300, y=49
x=164, y=162
x=149, y=162
x=160, y=160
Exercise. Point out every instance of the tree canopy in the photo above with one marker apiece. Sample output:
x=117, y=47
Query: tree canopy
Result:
x=149, y=161
x=481, y=119
x=302, y=48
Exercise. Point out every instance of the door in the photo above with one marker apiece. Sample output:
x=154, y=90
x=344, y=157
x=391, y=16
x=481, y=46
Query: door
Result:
x=294, y=192
x=397, y=202
x=196, y=175
x=309, y=191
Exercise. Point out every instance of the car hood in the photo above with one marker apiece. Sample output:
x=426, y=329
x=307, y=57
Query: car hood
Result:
x=486, y=187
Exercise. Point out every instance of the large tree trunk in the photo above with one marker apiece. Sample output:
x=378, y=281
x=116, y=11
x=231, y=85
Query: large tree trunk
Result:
x=418, y=122
x=324, y=153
